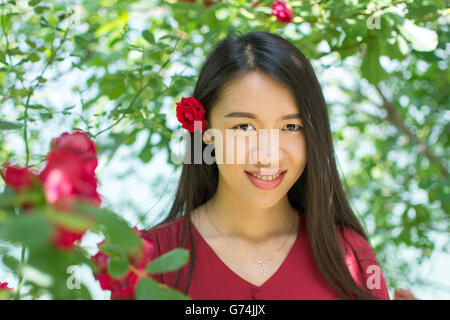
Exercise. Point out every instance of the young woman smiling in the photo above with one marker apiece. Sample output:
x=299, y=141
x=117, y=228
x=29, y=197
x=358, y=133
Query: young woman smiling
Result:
x=255, y=232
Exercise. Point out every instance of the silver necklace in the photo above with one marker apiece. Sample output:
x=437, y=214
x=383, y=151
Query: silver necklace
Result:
x=259, y=261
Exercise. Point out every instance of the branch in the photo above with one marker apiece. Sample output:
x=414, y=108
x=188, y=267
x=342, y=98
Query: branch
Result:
x=138, y=94
x=396, y=119
x=33, y=88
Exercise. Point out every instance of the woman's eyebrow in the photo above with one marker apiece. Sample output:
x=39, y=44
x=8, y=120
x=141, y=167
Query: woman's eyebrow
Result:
x=253, y=116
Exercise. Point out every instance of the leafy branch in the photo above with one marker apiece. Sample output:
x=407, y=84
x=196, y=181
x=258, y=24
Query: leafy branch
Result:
x=136, y=96
x=396, y=119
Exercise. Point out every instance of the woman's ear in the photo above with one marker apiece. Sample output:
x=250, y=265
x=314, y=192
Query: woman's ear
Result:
x=207, y=139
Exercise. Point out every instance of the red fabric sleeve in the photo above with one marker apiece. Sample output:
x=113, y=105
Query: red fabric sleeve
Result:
x=363, y=265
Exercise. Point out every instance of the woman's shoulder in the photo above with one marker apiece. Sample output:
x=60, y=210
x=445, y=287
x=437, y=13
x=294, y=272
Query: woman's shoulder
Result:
x=166, y=229
x=166, y=236
x=362, y=262
x=354, y=242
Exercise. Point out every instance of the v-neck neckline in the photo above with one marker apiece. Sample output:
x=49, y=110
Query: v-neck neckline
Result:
x=270, y=279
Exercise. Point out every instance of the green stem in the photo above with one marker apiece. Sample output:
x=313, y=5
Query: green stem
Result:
x=19, y=286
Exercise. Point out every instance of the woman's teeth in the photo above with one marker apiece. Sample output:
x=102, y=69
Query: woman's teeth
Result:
x=266, y=178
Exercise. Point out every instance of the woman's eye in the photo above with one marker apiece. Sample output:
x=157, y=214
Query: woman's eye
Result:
x=294, y=127
x=242, y=126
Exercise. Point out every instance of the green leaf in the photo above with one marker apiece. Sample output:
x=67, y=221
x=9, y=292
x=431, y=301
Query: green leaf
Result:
x=115, y=228
x=40, y=9
x=28, y=229
x=370, y=67
x=38, y=107
x=6, y=125
x=31, y=43
x=149, y=289
x=32, y=3
x=112, y=250
x=33, y=57
x=170, y=261
x=74, y=221
x=46, y=115
x=146, y=154
x=11, y=262
x=113, y=86
x=118, y=266
x=148, y=36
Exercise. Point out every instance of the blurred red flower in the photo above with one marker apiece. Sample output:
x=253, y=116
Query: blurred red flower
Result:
x=128, y=282
x=4, y=285
x=68, y=176
x=18, y=178
x=77, y=143
x=283, y=13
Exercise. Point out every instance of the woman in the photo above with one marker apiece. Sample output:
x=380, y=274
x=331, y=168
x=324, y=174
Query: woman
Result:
x=283, y=233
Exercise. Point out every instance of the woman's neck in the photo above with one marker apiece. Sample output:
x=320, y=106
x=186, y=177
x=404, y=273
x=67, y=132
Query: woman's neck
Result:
x=254, y=224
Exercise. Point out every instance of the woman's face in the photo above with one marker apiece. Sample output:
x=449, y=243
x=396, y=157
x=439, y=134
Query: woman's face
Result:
x=265, y=102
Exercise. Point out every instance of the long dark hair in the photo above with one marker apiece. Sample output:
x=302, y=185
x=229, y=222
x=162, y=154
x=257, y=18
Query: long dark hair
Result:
x=318, y=193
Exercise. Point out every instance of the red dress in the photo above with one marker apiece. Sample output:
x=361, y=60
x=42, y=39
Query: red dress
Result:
x=297, y=278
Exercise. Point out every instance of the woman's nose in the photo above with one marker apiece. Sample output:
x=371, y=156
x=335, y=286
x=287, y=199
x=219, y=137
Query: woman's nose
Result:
x=267, y=151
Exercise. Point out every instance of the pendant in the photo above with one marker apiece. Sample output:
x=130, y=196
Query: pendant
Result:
x=263, y=270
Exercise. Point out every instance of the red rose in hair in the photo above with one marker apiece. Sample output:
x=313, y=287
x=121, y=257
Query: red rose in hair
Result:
x=190, y=110
x=128, y=282
x=280, y=11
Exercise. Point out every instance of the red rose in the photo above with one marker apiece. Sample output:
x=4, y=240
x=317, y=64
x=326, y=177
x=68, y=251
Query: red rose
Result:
x=121, y=285
x=190, y=110
x=255, y=4
x=18, y=178
x=128, y=282
x=78, y=143
x=65, y=239
x=4, y=285
x=280, y=11
x=66, y=177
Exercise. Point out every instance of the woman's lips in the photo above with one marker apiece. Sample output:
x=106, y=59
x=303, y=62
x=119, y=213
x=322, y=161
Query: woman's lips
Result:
x=263, y=184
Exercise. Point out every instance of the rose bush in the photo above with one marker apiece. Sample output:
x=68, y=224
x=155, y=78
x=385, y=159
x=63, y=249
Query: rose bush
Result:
x=49, y=212
x=121, y=59
x=136, y=269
